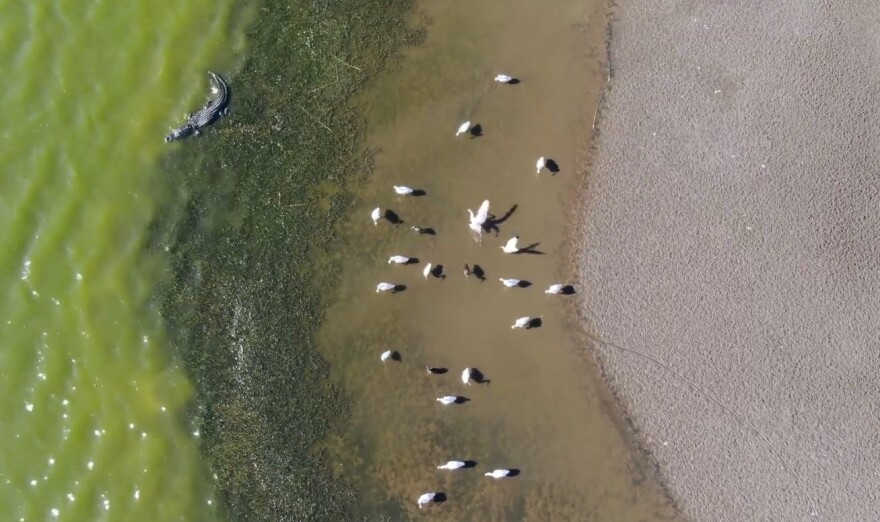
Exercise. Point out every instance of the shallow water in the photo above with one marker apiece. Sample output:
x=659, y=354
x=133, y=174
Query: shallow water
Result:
x=92, y=411
x=543, y=411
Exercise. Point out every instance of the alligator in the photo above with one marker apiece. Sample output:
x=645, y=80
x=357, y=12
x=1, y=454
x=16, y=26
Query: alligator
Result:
x=197, y=120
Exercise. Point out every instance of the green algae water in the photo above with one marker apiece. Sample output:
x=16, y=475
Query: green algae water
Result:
x=92, y=416
x=159, y=300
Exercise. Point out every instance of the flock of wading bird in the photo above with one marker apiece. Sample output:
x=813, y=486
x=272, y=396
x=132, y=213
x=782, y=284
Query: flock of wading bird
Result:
x=479, y=222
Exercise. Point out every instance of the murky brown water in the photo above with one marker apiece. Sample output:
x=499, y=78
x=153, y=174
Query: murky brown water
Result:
x=542, y=412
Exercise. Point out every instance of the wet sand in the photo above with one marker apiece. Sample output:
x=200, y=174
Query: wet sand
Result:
x=543, y=412
x=730, y=232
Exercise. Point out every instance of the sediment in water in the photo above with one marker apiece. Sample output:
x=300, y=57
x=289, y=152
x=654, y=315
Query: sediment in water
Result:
x=542, y=413
x=251, y=206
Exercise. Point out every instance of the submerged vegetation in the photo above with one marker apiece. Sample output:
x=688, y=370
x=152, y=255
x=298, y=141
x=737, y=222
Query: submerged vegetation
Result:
x=251, y=207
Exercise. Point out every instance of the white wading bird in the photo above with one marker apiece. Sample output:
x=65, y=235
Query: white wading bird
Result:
x=398, y=260
x=452, y=464
x=403, y=190
x=509, y=283
x=510, y=246
x=503, y=78
x=464, y=127
x=427, y=271
x=387, y=354
x=539, y=166
x=376, y=215
x=466, y=376
x=427, y=498
x=385, y=287
x=478, y=220
x=522, y=322
x=447, y=400
x=555, y=289
x=498, y=473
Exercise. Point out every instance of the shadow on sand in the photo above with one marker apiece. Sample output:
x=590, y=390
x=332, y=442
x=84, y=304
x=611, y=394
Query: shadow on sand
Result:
x=392, y=217
x=530, y=250
x=423, y=231
x=478, y=377
x=492, y=222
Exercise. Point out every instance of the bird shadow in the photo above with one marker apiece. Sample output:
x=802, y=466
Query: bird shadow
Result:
x=418, y=193
x=436, y=370
x=568, y=290
x=492, y=222
x=479, y=273
x=439, y=497
x=468, y=464
x=395, y=356
x=535, y=322
x=524, y=284
x=514, y=81
x=412, y=261
x=552, y=166
x=530, y=250
x=398, y=288
x=437, y=272
x=392, y=217
x=476, y=131
x=461, y=400
x=513, y=472
x=425, y=231
x=478, y=377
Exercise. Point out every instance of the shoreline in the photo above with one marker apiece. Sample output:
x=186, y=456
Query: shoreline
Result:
x=613, y=403
x=724, y=244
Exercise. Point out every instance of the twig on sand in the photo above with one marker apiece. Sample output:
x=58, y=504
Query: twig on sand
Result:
x=316, y=89
x=346, y=63
x=598, y=103
x=315, y=119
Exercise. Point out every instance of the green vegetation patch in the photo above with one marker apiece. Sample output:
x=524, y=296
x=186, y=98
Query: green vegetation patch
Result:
x=252, y=206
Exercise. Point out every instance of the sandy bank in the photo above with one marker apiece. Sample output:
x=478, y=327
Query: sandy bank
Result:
x=731, y=231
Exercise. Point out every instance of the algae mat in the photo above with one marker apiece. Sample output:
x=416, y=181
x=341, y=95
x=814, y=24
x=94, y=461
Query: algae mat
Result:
x=254, y=205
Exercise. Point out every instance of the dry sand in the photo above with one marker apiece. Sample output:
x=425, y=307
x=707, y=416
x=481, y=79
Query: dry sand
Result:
x=730, y=230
